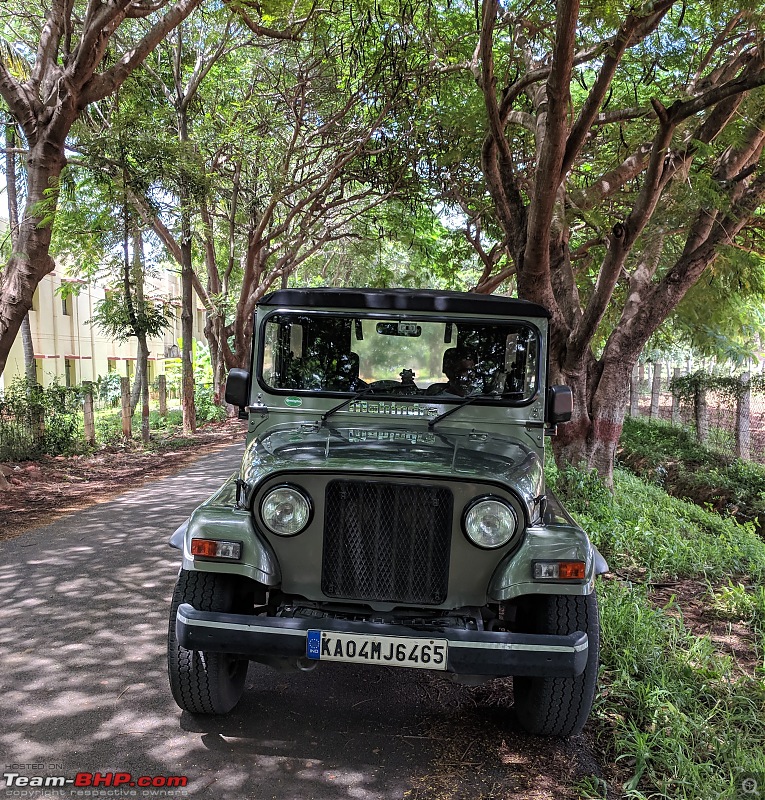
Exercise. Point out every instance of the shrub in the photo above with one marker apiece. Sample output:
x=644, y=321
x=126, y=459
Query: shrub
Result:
x=207, y=410
x=36, y=420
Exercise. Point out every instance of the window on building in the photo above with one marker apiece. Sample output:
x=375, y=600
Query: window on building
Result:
x=66, y=306
x=70, y=374
x=151, y=371
x=39, y=373
x=130, y=369
x=111, y=364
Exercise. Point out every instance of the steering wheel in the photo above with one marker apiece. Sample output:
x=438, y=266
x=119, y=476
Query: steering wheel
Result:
x=383, y=387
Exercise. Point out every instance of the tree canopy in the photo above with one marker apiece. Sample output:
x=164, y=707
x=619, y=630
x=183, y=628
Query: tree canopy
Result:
x=604, y=161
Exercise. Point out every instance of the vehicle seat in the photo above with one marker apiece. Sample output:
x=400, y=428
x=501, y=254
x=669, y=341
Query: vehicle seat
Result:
x=451, y=356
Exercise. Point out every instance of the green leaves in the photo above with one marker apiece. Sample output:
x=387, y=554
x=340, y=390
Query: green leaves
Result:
x=115, y=317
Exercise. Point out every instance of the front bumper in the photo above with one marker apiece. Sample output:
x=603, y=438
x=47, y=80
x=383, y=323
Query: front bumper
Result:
x=470, y=652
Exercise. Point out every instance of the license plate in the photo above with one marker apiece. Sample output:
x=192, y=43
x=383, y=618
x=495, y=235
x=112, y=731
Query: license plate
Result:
x=391, y=651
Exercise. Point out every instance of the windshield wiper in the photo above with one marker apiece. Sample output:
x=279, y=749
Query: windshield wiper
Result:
x=466, y=402
x=340, y=406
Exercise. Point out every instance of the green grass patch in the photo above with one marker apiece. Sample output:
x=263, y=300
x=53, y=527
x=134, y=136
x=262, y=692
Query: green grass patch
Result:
x=676, y=717
x=670, y=457
x=641, y=528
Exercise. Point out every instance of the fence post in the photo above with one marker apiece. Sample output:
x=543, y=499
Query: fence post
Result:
x=162, y=384
x=127, y=422
x=702, y=418
x=743, y=430
x=634, y=390
x=87, y=413
x=655, y=390
x=675, y=399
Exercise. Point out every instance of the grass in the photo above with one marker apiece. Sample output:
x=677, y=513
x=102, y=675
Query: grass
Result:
x=676, y=716
x=671, y=457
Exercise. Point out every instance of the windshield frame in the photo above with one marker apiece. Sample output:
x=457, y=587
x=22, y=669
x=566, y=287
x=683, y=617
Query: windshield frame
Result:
x=392, y=315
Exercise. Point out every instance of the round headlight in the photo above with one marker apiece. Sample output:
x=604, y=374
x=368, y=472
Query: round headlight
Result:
x=285, y=511
x=490, y=522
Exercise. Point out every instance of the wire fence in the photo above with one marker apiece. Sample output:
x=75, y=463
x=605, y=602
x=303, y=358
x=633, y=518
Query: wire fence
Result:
x=723, y=412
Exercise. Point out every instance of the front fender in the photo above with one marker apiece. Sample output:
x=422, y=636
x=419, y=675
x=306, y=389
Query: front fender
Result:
x=221, y=518
x=513, y=576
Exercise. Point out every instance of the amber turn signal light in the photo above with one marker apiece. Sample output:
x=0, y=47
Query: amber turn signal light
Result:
x=215, y=548
x=559, y=570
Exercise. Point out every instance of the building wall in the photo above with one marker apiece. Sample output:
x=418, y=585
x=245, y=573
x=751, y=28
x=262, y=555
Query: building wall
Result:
x=69, y=350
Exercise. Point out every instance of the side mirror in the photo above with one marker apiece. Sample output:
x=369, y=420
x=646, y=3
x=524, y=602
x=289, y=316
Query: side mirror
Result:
x=238, y=387
x=560, y=404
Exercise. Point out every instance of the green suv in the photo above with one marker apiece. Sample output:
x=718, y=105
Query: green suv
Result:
x=391, y=508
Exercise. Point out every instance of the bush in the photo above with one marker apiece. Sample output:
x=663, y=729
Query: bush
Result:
x=207, y=410
x=36, y=420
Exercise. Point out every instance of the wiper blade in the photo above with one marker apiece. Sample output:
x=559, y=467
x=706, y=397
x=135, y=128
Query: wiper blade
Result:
x=340, y=406
x=466, y=402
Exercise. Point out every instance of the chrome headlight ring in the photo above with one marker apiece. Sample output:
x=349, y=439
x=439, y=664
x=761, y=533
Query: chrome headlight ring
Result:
x=286, y=510
x=490, y=522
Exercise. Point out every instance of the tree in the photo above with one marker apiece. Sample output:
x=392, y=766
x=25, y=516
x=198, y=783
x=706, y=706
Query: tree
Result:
x=292, y=148
x=618, y=166
x=81, y=55
x=126, y=312
x=99, y=237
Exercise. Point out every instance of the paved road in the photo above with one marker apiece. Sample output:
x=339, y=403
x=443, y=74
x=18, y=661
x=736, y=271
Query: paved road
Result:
x=83, y=685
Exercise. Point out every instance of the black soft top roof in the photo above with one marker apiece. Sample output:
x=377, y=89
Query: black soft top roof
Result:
x=406, y=300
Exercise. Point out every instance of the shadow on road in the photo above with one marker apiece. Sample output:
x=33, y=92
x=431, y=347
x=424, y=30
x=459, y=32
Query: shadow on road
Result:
x=83, y=686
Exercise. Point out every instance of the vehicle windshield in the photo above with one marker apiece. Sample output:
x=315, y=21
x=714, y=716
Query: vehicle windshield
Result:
x=394, y=356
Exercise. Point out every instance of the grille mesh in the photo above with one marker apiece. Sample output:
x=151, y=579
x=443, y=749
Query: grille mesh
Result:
x=387, y=542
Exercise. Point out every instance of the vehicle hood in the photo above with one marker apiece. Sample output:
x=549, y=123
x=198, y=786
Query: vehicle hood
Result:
x=456, y=453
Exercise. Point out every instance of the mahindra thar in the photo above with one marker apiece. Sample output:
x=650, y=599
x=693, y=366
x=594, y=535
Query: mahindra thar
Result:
x=391, y=508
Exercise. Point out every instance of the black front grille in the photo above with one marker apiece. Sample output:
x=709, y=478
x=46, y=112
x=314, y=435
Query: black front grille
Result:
x=387, y=542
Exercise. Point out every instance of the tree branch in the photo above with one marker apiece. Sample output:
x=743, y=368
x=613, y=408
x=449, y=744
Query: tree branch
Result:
x=18, y=101
x=534, y=278
x=632, y=31
x=102, y=85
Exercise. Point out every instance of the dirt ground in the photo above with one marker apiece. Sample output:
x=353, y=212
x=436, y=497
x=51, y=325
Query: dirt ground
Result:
x=690, y=600
x=35, y=493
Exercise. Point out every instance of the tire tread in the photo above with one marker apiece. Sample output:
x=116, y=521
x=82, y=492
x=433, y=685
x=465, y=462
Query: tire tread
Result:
x=197, y=679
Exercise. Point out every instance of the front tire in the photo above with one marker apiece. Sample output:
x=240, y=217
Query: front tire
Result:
x=204, y=683
x=559, y=706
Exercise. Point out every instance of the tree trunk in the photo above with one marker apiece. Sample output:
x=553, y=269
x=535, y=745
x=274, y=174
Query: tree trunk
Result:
x=11, y=183
x=214, y=333
x=30, y=260
x=187, y=295
x=601, y=399
x=143, y=369
x=135, y=390
x=27, y=344
x=187, y=333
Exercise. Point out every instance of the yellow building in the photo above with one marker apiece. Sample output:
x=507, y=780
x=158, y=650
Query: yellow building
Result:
x=69, y=350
